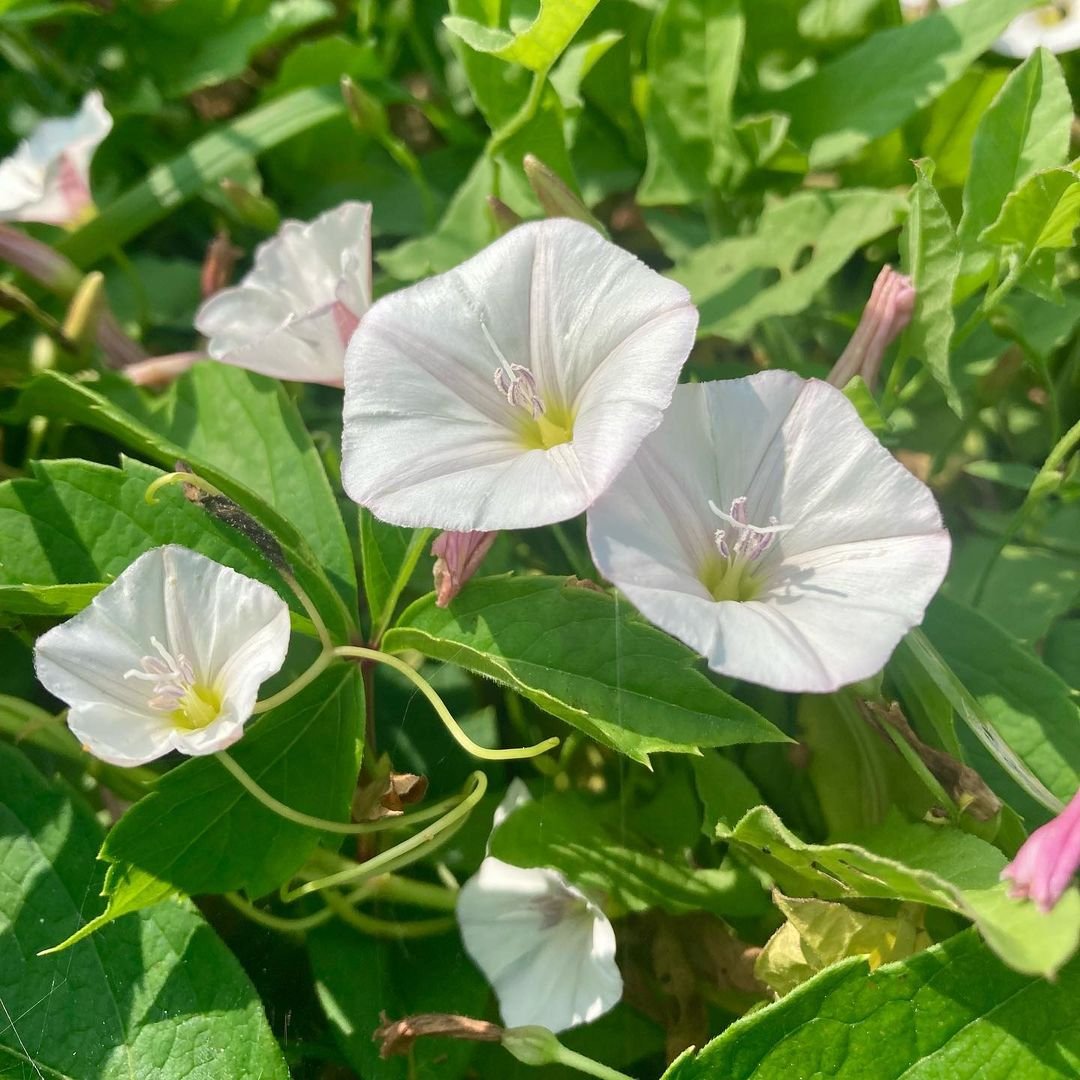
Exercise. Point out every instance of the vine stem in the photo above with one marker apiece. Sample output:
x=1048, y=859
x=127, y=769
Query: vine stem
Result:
x=425, y=688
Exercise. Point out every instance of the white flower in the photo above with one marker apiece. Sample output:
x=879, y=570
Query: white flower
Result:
x=47, y=179
x=169, y=657
x=293, y=314
x=510, y=391
x=1053, y=26
x=765, y=527
x=544, y=946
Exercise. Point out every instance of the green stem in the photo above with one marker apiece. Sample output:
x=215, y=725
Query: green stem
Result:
x=425, y=688
x=278, y=922
x=178, y=478
x=387, y=928
x=408, y=851
x=408, y=564
x=306, y=678
x=516, y=122
x=573, y=1060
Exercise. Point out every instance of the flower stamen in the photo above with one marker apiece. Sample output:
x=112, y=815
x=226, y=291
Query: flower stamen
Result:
x=176, y=691
x=731, y=577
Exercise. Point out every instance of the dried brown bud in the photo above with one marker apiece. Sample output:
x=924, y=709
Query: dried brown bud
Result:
x=397, y=1036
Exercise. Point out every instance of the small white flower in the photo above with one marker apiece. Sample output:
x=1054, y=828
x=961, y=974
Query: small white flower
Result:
x=510, y=391
x=767, y=528
x=293, y=314
x=544, y=946
x=47, y=179
x=1053, y=26
x=169, y=657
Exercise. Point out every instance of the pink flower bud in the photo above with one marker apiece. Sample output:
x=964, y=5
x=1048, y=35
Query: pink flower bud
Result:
x=457, y=557
x=218, y=264
x=1045, y=865
x=40, y=261
x=157, y=372
x=887, y=312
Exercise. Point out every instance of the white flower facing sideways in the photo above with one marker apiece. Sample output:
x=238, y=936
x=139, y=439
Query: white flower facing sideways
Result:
x=292, y=315
x=47, y=178
x=169, y=657
x=767, y=528
x=1054, y=26
x=510, y=391
x=545, y=947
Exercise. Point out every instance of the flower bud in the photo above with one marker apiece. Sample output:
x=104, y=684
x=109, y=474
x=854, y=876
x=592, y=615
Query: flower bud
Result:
x=505, y=219
x=554, y=195
x=1047, y=862
x=458, y=555
x=532, y=1045
x=43, y=263
x=251, y=209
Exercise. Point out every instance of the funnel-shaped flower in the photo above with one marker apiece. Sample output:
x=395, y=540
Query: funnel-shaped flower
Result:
x=764, y=526
x=544, y=946
x=47, y=179
x=169, y=657
x=292, y=315
x=510, y=391
x=1053, y=26
x=1047, y=863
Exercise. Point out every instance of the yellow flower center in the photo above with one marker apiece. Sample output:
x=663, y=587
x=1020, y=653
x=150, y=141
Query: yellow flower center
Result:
x=199, y=707
x=551, y=428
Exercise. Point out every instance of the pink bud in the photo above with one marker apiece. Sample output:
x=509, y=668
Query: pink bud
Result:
x=457, y=557
x=39, y=261
x=1050, y=857
x=218, y=264
x=887, y=312
x=157, y=372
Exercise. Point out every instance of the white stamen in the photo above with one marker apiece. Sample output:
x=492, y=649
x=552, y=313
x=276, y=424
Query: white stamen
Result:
x=172, y=676
x=750, y=541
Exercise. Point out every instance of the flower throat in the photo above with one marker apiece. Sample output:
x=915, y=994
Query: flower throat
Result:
x=732, y=573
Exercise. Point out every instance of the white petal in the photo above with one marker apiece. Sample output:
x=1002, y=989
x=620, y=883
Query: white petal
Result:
x=429, y=439
x=47, y=178
x=287, y=317
x=517, y=794
x=863, y=554
x=232, y=630
x=556, y=974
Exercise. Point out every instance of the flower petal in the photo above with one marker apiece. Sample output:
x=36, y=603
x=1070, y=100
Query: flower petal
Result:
x=430, y=440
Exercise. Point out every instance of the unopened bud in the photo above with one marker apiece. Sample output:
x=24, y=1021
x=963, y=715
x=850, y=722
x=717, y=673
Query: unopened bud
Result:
x=457, y=557
x=554, y=195
x=532, y=1045
x=887, y=312
x=251, y=209
x=43, y=263
x=397, y=1036
x=159, y=371
x=366, y=113
x=505, y=219
x=80, y=324
x=218, y=264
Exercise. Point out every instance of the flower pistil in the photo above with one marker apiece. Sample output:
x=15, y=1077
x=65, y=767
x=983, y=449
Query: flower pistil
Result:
x=730, y=577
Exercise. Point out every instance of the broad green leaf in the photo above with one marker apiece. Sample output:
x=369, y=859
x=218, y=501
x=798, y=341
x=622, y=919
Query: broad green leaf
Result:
x=1025, y=130
x=62, y=544
x=208, y=159
x=564, y=832
x=952, y=1011
x=240, y=432
x=199, y=831
x=359, y=979
x=390, y=555
x=581, y=656
x=725, y=791
x=225, y=54
x=876, y=86
x=693, y=67
x=1042, y=214
x=535, y=47
x=575, y=65
x=1010, y=474
x=1029, y=706
x=926, y=864
x=1062, y=651
x=154, y=995
x=799, y=244
x=930, y=255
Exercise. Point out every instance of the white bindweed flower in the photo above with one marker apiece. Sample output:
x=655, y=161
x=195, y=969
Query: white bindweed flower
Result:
x=292, y=315
x=545, y=947
x=169, y=657
x=47, y=179
x=767, y=528
x=1053, y=26
x=510, y=391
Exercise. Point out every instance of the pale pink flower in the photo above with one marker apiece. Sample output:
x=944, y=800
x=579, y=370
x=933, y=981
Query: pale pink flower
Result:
x=1050, y=857
x=457, y=557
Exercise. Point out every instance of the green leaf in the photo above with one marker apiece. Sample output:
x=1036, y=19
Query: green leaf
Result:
x=390, y=555
x=1042, y=214
x=359, y=979
x=156, y=995
x=951, y=1011
x=537, y=46
x=926, y=864
x=876, y=86
x=1029, y=706
x=240, y=432
x=725, y=791
x=799, y=244
x=200, y=832
x=572, y=651
x=564, y=832
x=1025, y=130
x=930, y=255
x=61, y=534
x=225, y=54
x=693, y=68
x=206, y=161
